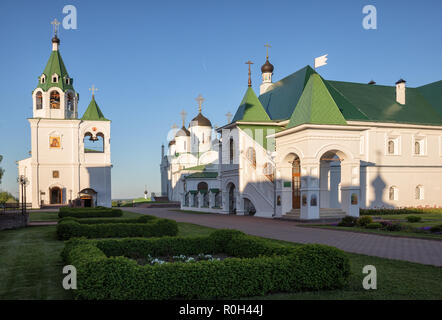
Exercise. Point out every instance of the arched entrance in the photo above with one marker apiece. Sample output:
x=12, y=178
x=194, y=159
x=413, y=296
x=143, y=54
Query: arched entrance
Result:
x=292, y=172
x=88, y=197
x=56, y=195
x=232, y=199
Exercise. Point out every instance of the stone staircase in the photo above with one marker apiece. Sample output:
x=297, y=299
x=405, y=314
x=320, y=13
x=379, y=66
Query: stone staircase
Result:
x=325, y=214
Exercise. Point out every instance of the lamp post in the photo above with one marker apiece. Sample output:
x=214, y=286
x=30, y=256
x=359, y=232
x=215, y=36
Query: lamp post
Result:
x=23, y=183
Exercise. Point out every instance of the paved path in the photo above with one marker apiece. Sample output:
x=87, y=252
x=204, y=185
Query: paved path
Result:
x=414, y=250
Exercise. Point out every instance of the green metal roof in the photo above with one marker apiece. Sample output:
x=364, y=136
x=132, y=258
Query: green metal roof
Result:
x=432, y=92
x=55, y=65
x=203, y=175
x=200, y=167
x=316, y=105
x=259, y=134
x=93, y=112
x=250, y=108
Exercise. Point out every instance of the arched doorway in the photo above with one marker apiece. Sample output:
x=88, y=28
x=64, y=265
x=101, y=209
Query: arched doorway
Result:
x=88, y=197
x=296, y=183
x=232, y=199
x=203, y=189
x=55, y=195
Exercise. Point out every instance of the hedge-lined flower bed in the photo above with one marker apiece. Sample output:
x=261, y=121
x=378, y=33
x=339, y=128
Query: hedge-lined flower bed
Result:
x=142, y=219
x=106, y=269
x=141, y=227
x=385, y=211
x=99, y=212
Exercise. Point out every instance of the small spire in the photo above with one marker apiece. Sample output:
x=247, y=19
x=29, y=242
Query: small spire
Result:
x=93, y=89
x=200, y=100
x=250, y=72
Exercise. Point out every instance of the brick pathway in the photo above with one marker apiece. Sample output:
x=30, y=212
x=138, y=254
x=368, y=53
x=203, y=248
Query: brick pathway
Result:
x=414, y=250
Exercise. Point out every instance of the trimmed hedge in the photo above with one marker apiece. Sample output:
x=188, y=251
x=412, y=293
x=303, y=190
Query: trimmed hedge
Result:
x=99, y=212
x=413, y=219
x=151, y=228
x=141, y=219
x=384, y=211
x=257, y=267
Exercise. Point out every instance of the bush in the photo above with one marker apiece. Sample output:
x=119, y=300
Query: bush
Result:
x=364, y=221
x=436, y=229
x=348, y=221
x=154, y=228
x=413, y=219
x=105, y=272
x=374, y=225
x=389, y=226
x=385, y=211
x=98, y=212
x=141, y=219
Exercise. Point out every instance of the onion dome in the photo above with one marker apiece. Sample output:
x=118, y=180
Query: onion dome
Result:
x=200, y=121
x=183, y=132
x=171, y=142
x=55, y=39
x=267, y=67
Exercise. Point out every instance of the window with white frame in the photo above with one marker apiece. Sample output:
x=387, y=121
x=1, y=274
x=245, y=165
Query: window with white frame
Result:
x=393, y=193
x=419, y=146
x=393, y=145
x=419, y=192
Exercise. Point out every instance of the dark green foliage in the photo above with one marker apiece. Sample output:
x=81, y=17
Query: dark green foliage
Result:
x=375, y=212
x=348, y=221
x=413, y=219
x=391, y=226
x=436, y=229
x=154, y=228
x=98, y=212
x=363, y=221
x=104, y=272
x=141, y=219
x=374, y=225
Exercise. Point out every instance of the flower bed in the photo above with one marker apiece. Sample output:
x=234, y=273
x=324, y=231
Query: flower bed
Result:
x=142, y=227
x=99, y=212
x=385, y=211
x=106, y=268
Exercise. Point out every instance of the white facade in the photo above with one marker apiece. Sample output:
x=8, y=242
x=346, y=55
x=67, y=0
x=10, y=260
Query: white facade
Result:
x=61, y=168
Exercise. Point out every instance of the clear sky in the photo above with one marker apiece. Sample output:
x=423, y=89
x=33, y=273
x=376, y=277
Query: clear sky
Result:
x=150, y=59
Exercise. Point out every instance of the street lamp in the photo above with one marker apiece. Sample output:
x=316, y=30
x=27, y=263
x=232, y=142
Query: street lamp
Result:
x=23, y=183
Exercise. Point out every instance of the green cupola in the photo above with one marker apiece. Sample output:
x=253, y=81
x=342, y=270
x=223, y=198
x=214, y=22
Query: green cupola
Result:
x=93, y=112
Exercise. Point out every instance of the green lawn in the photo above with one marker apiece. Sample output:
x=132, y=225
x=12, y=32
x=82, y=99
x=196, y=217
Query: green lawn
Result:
x=30, y=268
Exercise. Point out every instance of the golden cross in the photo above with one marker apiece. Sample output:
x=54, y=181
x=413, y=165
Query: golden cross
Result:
x=55, y=23
x=250, y=73
x=229, y=117
x=200, y=100
x=183, y=116
x=267, y=46
x=93, y=89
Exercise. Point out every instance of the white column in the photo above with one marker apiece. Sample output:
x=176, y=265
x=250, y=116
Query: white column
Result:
x=350, y=188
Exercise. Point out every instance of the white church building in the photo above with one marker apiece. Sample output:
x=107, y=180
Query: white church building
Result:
x=70, y=162
x=311, y=148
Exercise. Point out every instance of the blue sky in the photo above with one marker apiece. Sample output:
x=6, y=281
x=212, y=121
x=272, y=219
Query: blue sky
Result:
x=151, y=59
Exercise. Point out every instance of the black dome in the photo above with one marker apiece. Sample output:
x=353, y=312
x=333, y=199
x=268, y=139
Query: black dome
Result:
x=200, y=121
x=55, y=39
x=267, y=67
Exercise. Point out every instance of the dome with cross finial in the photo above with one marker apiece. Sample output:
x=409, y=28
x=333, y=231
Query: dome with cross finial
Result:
x=267, y=67
x=200, y=121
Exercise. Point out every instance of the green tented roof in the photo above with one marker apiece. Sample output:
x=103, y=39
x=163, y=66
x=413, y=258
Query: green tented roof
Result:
x=93, y=112
x=281, y=100
x=316, y=105
x=55, y=65
x=260, y=132
x=250, y=108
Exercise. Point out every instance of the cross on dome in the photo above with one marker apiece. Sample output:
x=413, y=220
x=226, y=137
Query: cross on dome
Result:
x=55, y=23
x=93, y=89
x=200, y=100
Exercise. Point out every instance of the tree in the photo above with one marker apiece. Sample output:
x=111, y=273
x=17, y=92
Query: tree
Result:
x=1, y=170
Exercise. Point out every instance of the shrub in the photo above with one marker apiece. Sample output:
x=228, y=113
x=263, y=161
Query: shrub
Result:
x=348, y=221
x=105, y=272
x=385, y=211
x=374, y=225
x=389, y=226
x=153, y=228
x=363, y=221
x=141, y=219
x=436, y=229
x=98, y=212
x=413, y=219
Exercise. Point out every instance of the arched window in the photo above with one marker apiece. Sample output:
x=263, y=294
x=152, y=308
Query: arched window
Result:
x=202, y=186
x=417, y=147
x=390, y=147
x=54, y=78
x=393, y=193
x=55, y=100
x=70, y=101
x=419, y=193
x=251, y=156
x=43, y=79
x=39, y=100
x=268, y=171
x=93, y=144
x=231, y=150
